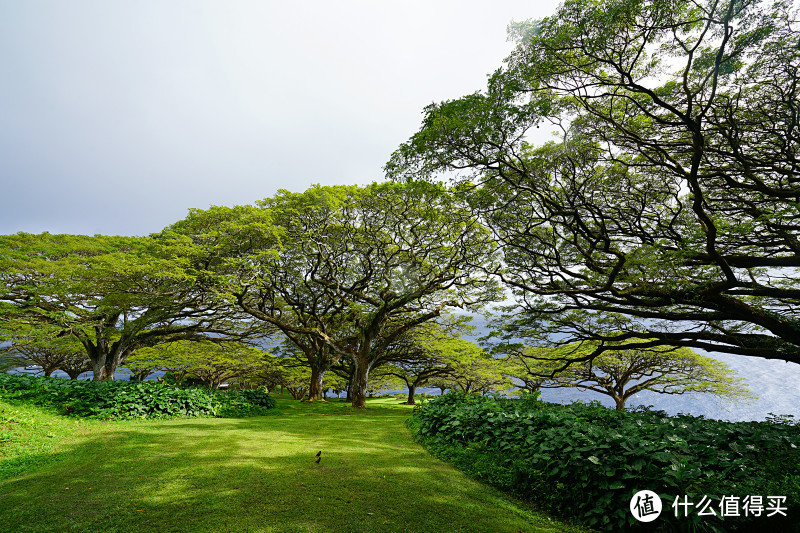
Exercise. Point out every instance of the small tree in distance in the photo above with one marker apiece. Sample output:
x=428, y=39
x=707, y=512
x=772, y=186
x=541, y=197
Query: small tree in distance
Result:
x=430, y=352
x=622, y=373
x=50, y=353
x=213, y=363
x=476, y=371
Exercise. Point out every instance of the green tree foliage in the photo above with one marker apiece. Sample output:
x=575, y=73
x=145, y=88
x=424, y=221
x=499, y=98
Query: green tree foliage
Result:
x=621, y=373
x=430, y=352
x=667, y=211
x=113, y=295
x=343, y=271
x=212, y=363
x=400, y=255
x=51, y=354
x=256, y=259
x=473, y=370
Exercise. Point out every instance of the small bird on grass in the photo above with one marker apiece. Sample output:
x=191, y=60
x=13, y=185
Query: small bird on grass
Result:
x=319, y=457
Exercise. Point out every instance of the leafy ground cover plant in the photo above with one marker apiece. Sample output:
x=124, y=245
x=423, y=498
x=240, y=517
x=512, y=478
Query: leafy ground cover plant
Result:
x=129, y=400
x=588, y=461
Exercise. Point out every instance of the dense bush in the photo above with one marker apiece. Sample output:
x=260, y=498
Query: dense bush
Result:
x=125, y=400
x=243, y=403
x=587, y=461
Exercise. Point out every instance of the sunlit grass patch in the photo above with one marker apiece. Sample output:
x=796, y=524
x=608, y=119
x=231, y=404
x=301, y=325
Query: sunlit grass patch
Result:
x=28, y=435
x=258, y=474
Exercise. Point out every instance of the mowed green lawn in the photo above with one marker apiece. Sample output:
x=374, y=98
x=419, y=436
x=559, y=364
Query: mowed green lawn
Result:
x=253, y=474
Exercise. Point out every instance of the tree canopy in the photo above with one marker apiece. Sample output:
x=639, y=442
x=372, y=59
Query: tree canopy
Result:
x=113, y=295
x=212, y=363
x=666, y=213
x=343, y=271
x=432, y=351
x=624, y=372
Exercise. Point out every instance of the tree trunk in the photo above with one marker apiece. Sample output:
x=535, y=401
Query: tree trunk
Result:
x=359, y=385
x=104, y=362
x=101, y=370
x=411, y=390
x=315, y=388
x=620, y=401
x=349, y=391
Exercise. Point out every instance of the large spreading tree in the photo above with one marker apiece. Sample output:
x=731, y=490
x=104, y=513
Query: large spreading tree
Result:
x=343, y=271
x=400, y=255
x=261, y=258
x=667, y=210
x=112, y=295
x=624, y=372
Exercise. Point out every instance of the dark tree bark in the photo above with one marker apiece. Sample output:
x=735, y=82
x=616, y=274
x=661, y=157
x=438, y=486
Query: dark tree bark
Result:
x=360, y=384
x=315, y=390
x=411, y=390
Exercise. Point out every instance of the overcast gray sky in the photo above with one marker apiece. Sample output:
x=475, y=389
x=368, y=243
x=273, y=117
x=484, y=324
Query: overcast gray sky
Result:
x=116, y=117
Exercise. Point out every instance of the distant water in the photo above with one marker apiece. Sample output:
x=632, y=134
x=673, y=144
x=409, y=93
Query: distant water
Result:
x=776, y=383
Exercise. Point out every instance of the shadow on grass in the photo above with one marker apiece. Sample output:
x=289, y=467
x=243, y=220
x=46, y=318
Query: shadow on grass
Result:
x=257, y=474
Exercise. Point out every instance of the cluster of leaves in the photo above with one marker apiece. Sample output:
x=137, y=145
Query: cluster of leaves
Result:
x=243, y=403
x=127, y=400
x=587, y=461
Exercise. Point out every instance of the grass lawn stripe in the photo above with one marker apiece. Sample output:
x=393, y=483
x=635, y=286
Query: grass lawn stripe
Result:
x=257, y=474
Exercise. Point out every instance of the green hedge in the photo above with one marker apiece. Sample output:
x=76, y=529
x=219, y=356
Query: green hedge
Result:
x=586, y=461
x=128, y=400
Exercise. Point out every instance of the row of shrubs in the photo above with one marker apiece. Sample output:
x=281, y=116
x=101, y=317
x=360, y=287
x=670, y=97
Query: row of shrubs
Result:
x=122, y=400
x=586, y=462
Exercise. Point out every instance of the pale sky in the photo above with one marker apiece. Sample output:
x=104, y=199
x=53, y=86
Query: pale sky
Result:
x=116, y=116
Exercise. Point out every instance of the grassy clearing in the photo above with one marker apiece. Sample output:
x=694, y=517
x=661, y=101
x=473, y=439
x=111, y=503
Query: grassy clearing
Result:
x=255, y=474
x=29, y=434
